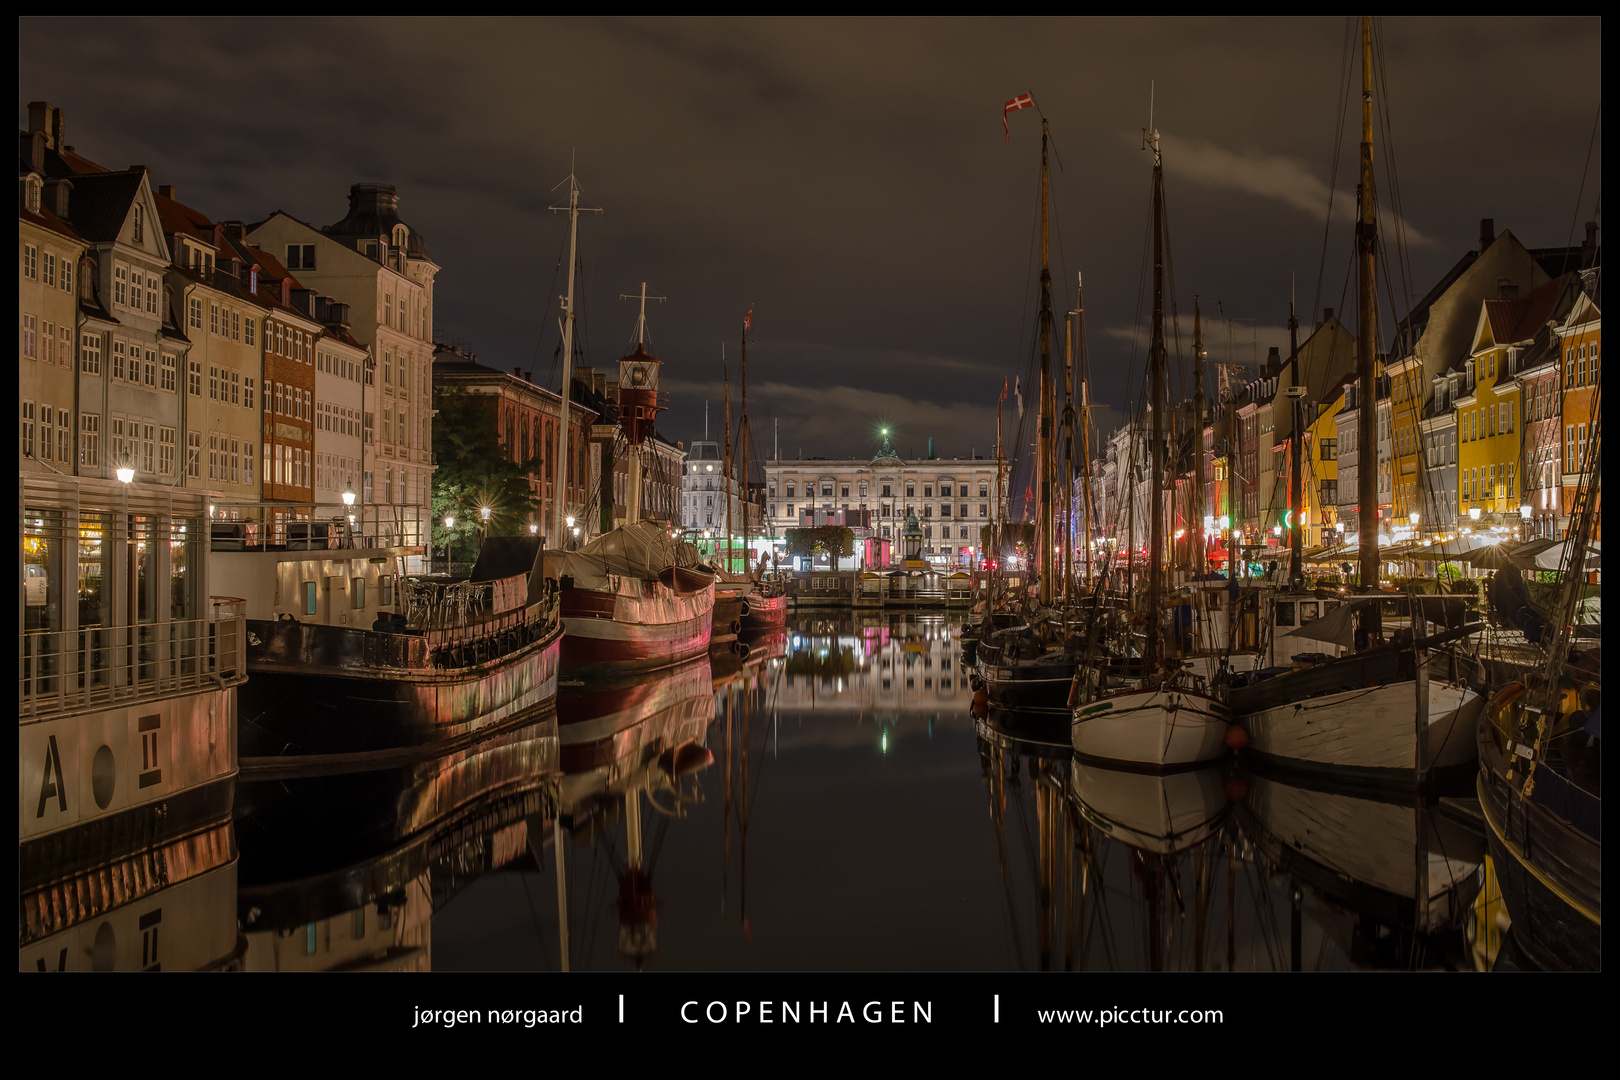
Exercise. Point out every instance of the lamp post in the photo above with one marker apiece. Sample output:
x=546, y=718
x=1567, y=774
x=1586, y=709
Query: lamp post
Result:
x=1524, y=521
x=348, y=511
x=571, y=530
x=449, y=523
x=126, y=474
x=483, y=511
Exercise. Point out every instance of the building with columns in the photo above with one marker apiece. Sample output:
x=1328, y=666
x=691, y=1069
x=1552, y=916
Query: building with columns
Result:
x=953, y=498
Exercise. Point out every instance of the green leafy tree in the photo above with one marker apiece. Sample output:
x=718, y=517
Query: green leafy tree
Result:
x=475, y=471
x=834, y=541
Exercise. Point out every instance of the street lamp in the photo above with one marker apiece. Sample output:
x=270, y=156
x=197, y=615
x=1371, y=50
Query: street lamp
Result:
x=348, y=495
x=1524, y=517
x=1473, y=513
x=126, y=475
x=1412, y=517
x=449, y=523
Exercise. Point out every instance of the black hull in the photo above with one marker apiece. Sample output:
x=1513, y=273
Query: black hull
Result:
x=323, y=712
x=1550, y=873
x=1025, y=687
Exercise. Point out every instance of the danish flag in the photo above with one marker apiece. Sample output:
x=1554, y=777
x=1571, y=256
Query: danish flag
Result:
x=748, y=319
x=1022, y=101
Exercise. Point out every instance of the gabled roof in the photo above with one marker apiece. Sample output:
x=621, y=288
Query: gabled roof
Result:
x=1410, y=329
x=1516, y=322
x=177, y=217
x=101, y=202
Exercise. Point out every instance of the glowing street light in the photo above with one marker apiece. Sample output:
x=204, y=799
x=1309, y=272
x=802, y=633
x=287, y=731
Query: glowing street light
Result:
x=348, y=495
x=1412, y=517
x=449, y=521
x=126, y=475
x=533, y=528
x=484, y=512
x=1473, y=513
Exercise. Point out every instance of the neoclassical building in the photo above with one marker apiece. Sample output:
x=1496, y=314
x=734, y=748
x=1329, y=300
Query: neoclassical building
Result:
x=953, y=498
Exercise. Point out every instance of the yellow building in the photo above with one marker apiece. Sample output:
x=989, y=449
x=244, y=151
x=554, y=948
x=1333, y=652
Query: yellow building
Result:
x=1489, y=430
x=1319, y=485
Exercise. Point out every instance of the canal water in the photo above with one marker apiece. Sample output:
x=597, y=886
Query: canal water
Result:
x=829, y=803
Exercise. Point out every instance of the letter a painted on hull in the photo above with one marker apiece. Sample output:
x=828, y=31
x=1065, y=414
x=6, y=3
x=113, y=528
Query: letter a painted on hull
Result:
x=49, y=786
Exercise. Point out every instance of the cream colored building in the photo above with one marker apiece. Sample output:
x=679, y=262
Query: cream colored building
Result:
x=221, y=315
x=375, y=263
x=49, y=252
x=952, y=497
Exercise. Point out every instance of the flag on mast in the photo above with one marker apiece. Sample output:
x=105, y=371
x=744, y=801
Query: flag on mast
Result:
x=748, y=319
x=1022, y=101
x=1018, y=395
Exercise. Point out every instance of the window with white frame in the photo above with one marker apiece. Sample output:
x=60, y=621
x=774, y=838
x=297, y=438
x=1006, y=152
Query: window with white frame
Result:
x=30, y=336
x=30, y=265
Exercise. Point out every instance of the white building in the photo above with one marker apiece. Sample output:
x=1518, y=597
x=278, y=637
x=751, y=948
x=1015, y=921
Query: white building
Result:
x=954, y=498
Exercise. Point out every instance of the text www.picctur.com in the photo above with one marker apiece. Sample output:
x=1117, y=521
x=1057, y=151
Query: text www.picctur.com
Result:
x=1104, y=1017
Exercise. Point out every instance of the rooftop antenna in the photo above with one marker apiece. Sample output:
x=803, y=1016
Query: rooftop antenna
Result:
x=641, y=320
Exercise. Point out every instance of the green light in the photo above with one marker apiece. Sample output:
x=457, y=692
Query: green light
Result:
x=885, y=740
x=1288, y=519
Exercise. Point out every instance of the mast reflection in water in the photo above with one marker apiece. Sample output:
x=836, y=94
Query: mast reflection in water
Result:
x=826, y=801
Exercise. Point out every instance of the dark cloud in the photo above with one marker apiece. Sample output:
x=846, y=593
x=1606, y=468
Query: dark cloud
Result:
x=849, y=179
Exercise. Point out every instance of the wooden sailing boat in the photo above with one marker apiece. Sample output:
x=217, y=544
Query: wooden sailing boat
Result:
x=1030, y=666
x=1165, y=718
x=762, y=596
x=1377, y=714
x=1540, y=778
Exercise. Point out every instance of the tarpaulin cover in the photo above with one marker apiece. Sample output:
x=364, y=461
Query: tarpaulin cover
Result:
x=640, y=551
x=1337, y=627
x=509, y=556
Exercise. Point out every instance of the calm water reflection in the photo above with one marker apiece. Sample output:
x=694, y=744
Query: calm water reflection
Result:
x=829, y=803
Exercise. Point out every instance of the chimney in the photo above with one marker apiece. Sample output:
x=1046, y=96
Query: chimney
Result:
x=1589, y=247
x=286, y=292
x=36, y=152
x=219, y=238
x=167, y=191
x=1273, y=361
x=47, y=118
x=1487, y=233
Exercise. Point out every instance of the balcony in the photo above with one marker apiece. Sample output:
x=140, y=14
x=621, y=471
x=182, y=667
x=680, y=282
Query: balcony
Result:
x=104, y=666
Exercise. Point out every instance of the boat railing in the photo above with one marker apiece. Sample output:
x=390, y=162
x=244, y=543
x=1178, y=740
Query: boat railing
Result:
x=314, y=526
x=436, y=605
x=102, y=666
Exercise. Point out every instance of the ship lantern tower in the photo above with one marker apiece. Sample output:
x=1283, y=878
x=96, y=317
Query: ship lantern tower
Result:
x=638, y=403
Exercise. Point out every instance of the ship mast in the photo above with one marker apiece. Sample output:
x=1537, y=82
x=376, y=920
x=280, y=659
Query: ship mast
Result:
x=1156, y=351
x=1296, y=393
x=1044, y=532
x=1198, y=443
x=559, y=472
x=1366, y=360
x=742, y=437
x=725, y=482
x=1085, y=412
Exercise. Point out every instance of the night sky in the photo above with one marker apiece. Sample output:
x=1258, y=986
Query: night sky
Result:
x=849, y=180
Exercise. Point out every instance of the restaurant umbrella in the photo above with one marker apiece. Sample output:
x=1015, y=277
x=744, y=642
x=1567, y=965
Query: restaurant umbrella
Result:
x=1555, y=557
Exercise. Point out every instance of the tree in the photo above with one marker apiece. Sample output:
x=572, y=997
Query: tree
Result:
x=476, y=471
x=834, y=541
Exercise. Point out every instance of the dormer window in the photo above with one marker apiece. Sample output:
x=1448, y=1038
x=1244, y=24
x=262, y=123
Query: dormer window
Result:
x=399, y=237
x=31, y=194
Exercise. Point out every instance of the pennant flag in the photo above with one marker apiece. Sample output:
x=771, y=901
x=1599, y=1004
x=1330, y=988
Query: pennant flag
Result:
x=1003, y=388
x=748, y=319
x=1022, y=101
